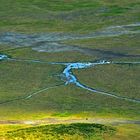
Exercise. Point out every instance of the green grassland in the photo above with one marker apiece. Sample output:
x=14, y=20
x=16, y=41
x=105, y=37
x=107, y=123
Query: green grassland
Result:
x=18, y=79
x=77, y=131
x=58, y=132
x=101, y=78
x=25, y=78
x=126, y=44
x=66, y=15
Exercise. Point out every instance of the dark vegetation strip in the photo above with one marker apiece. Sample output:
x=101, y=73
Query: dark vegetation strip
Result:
x=106, y=54
x=85, y=130
x=12, y=49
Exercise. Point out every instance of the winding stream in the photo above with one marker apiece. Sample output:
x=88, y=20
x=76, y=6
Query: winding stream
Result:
x=69, y=77
x=52, y=42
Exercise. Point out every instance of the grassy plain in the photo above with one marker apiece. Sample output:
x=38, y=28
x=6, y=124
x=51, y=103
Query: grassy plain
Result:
x=76, y=16
x=66, y=15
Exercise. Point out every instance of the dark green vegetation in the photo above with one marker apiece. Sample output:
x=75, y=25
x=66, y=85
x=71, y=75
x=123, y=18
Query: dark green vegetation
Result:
x=78, y=131
x=18, y=79
x=62, y=132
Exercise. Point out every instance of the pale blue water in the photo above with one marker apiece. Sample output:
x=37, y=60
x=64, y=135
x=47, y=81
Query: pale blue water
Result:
x=3, y=56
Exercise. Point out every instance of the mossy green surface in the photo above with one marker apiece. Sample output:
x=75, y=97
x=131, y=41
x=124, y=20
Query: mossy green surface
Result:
x=62, y=132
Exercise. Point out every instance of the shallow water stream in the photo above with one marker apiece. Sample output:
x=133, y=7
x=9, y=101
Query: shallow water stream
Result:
x=69, y=78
